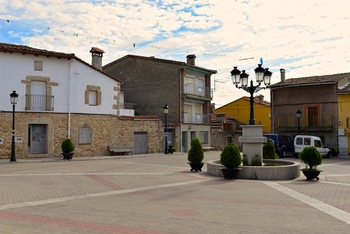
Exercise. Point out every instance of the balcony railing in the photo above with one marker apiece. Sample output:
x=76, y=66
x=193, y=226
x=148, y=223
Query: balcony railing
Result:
x=39, y=102
x=127, y=109
x=290, y=123
x=198, y=91
x=196, y=118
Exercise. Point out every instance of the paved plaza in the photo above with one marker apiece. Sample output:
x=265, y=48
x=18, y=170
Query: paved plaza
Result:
x=157, y=193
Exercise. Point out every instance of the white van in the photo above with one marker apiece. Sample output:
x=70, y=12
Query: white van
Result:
x=302, y=141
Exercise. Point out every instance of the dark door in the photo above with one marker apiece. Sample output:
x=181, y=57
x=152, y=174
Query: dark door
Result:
x=37, y=138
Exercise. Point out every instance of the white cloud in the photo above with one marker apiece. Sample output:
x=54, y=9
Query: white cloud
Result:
x=304, y=37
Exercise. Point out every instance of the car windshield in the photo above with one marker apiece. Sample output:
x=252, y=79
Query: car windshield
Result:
x=318, y=144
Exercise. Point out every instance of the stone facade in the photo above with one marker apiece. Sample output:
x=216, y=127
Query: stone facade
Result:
x=106, y=130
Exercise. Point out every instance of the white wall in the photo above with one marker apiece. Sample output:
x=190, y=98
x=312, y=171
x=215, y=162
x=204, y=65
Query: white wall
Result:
x=70, y=75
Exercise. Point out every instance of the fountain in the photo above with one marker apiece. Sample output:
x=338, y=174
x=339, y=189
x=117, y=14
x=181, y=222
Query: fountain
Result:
x=252, y=138
x=254, y=167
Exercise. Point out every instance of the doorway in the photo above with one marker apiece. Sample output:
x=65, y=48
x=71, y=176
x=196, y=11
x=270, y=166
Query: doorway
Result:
x=184, y=143
x=37, y=138
x=140, y=143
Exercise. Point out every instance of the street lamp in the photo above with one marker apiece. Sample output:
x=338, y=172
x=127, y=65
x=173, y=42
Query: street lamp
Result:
x=261, y=75
x=298, y=116
x=166, y=110
x=13, y=98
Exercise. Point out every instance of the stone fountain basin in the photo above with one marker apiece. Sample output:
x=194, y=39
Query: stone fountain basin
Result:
x=285, y=170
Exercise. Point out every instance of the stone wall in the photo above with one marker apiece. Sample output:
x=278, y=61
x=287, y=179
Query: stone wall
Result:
x=106, y=130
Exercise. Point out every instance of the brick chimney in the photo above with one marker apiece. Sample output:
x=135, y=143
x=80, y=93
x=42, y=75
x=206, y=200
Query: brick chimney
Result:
x=191, y=59
x=96, y=60
x=283, y=75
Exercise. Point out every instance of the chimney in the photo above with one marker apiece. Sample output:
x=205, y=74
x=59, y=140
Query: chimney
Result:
x=259, y=98
x=283, y=75
x=191, y=59
x=96, y=60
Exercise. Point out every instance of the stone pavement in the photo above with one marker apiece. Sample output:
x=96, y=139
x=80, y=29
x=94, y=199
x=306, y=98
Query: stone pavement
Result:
x=157, y=193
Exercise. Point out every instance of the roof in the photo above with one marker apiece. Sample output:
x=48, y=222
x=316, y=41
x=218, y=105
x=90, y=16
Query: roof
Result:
x=11, y=48
x=160, y=60
x=256, y=101
x=96, y=50
x=345, y=90
x=311, y=80
x=22, y=49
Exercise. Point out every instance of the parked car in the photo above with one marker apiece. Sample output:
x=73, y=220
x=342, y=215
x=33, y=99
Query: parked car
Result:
x=302, y=141
x=284, y=144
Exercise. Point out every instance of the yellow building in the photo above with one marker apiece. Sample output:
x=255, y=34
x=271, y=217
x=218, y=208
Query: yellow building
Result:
x=344, y=120
x=240, y=110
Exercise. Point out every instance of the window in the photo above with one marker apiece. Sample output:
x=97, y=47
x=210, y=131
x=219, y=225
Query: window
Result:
x=92, y=95
x=92, y=98
x=39, y=93
x=299, y=141
x=307, y=141
x=317, y=144
x=85, y=135
x=203, y=137
x=38, y=65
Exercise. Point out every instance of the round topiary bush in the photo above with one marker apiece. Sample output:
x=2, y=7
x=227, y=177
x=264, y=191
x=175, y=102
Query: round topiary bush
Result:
x=196, y=153
x=231, y=157
x=311, y=157
x=269, y=151
x=67, y=146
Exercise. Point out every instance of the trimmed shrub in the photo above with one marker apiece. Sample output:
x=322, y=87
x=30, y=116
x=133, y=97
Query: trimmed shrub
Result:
x=67, y=146
x=231, y=157
x=311, y=157
x=269, y=151
x=196, y=153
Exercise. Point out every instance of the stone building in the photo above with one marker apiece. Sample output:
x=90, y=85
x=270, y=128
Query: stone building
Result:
x=316, y=98
x=61, y=96
x=150, y=83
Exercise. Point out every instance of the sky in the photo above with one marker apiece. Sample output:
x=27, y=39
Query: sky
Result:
x=304, y=37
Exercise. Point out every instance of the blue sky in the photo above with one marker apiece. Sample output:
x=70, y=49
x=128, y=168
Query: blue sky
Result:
x=305, y=38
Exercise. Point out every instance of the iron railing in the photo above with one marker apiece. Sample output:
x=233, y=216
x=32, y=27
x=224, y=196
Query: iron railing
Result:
x=310, y=124
x=196, y=118
x=39, y=102
x=198, y=91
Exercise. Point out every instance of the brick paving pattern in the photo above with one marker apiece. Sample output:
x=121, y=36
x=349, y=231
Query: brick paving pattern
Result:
x=157, y=193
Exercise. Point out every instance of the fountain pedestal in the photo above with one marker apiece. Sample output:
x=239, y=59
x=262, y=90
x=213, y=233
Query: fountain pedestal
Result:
x=252, y=139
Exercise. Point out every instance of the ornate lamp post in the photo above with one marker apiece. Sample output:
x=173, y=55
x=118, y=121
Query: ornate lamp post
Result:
x=166, y=110
x=261, y=74
x=298, y=116
x=13, y=98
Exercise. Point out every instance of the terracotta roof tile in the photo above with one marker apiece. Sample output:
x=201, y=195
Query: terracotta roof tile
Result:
x=313, y=80
x=95, y=49
x=11, y=48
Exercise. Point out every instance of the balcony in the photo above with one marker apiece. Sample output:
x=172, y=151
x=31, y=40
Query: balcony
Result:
x=322, y=123
x=39, y=102
x=127, y=109
x=196, y=118
x=197, y=91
